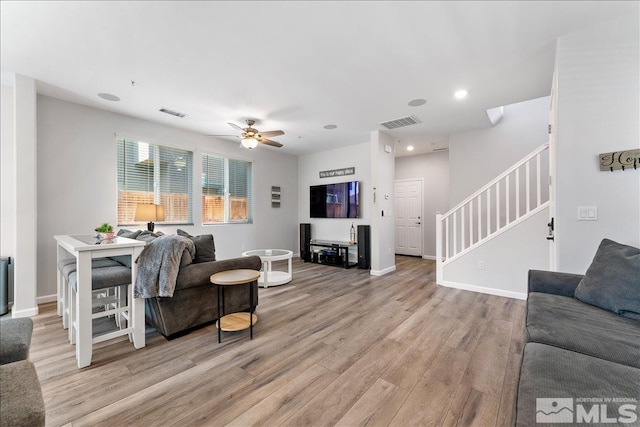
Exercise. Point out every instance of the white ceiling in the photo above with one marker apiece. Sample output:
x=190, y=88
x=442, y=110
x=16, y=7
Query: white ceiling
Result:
x=297, y=66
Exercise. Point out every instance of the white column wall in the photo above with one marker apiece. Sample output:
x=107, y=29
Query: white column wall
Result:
x=382, y=208
x=7, y=181
x=25, y=173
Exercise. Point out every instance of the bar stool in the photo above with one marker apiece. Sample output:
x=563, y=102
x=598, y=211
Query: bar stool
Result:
x=65, y=268
x=111, y=286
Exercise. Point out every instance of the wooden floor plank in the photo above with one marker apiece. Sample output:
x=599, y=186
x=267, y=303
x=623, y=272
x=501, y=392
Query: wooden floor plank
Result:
x=334, y=347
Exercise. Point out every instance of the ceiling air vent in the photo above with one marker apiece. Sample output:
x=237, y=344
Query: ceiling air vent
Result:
x=173, y=113
x=401, y=122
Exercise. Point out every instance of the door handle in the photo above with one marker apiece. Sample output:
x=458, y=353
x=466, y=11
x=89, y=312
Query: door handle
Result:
x=417, y=223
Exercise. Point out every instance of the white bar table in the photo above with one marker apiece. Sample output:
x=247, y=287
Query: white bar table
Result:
x=84, y=248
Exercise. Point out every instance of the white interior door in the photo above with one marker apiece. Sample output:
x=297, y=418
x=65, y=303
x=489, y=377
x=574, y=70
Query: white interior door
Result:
x=408, y=207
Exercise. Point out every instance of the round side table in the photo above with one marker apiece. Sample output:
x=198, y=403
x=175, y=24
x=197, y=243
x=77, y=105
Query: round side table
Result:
x=235, y=321
x=269, y=277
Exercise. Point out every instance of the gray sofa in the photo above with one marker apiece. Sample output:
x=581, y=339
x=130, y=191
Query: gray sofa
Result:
x=21, y=402
x=581, y=362
x=194, y=301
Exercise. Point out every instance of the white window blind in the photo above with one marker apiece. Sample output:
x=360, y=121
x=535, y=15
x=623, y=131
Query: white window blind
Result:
x=150, y=173
x=226, y=190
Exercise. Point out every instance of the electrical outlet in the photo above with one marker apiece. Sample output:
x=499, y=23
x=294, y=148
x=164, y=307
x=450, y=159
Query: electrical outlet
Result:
x=480, y=265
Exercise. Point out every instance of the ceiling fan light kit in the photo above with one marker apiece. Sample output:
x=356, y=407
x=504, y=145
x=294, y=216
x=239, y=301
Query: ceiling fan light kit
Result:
x=250, y=137
x=249, y=143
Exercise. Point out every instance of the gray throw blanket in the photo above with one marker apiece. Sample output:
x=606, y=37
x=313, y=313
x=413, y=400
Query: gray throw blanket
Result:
x=158, y=266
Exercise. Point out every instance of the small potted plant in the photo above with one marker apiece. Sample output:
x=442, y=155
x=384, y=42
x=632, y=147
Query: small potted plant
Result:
x=106, y=231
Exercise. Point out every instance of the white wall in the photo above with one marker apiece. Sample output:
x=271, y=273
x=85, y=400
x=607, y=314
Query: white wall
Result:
x=507, y=259
x=476, y=157
x=309, y=167
x=598, y=112
x=77, y=187
x=383, y=205
x=7, y=181
x=7, y=187
x=433, y=169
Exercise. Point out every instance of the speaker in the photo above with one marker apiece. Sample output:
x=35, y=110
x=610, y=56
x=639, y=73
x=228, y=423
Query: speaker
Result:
x=305, y=241
x=364, y=246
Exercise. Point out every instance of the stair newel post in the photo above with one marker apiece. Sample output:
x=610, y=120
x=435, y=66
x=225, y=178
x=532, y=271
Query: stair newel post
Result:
x=439, y=243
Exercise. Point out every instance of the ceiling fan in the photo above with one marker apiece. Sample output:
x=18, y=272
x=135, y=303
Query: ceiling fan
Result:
x=251, y=137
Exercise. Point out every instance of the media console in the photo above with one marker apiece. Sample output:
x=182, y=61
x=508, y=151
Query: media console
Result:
x=332, y=253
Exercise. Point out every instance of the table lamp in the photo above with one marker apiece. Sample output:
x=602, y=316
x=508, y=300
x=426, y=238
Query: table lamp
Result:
x=149, y=212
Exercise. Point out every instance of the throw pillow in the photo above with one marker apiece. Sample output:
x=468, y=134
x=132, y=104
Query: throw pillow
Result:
x=148, y=236
x=205, y=246
x=126, y=259
x=128, y=233
x=612, y=281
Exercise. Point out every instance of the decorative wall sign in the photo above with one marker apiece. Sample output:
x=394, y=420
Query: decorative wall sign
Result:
x=620, y=160
x=275, y=197
x=338, y=172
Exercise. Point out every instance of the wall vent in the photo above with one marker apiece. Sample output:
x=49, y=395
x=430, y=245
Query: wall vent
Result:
x=173, y=113
x=440, y=149
x=401, y=122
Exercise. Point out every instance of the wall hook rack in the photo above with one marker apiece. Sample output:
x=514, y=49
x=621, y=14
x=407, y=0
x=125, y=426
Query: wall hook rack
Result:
x=620, y=160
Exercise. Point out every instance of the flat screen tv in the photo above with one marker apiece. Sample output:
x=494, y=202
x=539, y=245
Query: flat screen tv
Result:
x=341, y=200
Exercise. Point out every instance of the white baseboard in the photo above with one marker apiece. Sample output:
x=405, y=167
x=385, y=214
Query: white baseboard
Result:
x=46, y=298
x=430, y=257
x=383, y=272
x=483, y=290
x=29, y=312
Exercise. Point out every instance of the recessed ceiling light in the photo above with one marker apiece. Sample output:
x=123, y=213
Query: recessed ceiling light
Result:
x=460, y=94
x=330, y=126
x=108, y=97
x=409, y=147
x=417, y=102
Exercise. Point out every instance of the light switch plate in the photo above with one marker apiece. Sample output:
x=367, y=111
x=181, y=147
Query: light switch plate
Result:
x=587, y=213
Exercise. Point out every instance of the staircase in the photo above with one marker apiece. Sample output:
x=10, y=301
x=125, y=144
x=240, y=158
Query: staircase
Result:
x=514, y=196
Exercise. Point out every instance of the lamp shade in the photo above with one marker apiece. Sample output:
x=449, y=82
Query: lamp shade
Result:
x=249, y=143
x=149, y=212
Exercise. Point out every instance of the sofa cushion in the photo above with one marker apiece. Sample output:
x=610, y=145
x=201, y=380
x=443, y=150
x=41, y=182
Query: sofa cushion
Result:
x=568, y=323
x=21, y=402
x=15, y=339
x=552, y=373
x=205, y=246
x=612, y=281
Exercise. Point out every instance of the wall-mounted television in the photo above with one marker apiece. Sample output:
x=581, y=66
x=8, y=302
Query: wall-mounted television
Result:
x=341, y=200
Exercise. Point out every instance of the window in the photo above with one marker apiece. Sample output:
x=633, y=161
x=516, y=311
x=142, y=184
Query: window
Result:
x=149, y=173
x=226, y=190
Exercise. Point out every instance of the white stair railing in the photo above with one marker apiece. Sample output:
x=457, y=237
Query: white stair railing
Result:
x=517, y=193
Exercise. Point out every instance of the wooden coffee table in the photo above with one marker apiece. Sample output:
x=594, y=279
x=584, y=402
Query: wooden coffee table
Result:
x=235, y=321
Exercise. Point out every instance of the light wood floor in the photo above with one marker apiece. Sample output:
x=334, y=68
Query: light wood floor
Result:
x=334, y=347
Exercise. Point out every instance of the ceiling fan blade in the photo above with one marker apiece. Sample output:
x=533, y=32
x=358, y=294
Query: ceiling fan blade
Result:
x=235, y=126
x=271, y=133
x=269, y=142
